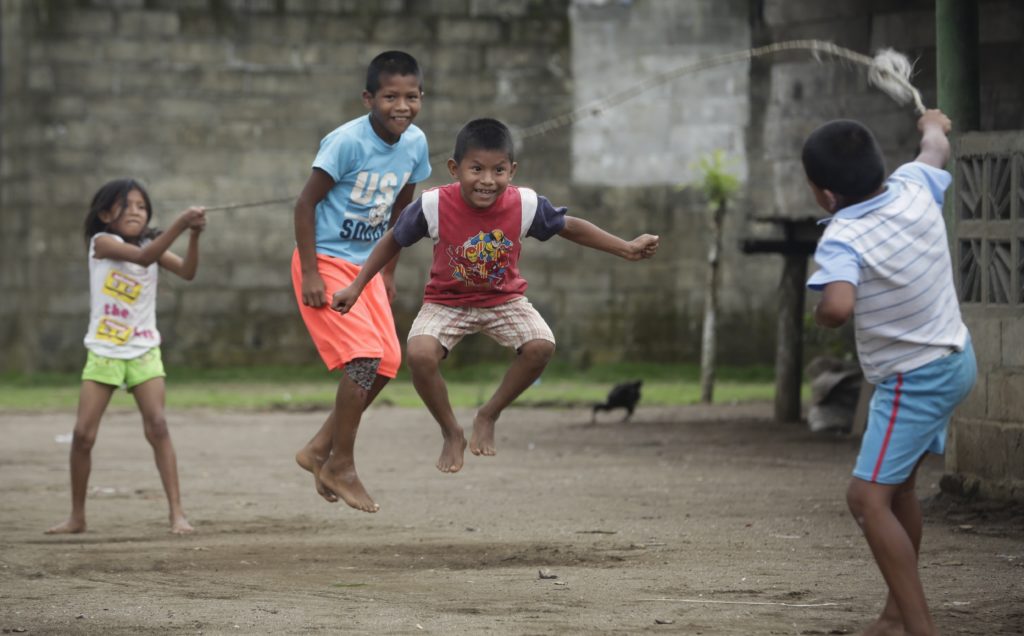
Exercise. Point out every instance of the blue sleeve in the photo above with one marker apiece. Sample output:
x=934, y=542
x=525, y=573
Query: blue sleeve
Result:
x=411, y=225
x=548, y=220
x=336, y=157
x=422, y=170
x=935, y=179
x=836, y=262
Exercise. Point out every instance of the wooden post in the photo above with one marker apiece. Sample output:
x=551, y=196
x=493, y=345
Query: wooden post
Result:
x=789, y=351
x=709, y=331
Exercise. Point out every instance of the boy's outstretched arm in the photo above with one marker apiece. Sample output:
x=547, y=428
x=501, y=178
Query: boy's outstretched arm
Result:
x=403, y=199
x=934, y=126
x=836, y=304
x=384, y=252
x=587, y=234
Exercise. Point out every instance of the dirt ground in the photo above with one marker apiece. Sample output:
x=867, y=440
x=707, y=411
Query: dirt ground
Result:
x=686, y=520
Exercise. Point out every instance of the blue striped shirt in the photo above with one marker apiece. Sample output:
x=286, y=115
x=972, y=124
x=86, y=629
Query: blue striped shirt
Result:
x=893, y=249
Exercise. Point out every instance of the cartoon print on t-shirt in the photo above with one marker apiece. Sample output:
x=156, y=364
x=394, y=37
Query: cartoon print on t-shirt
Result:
x=482, y=260
x=122, y=286
x=113, y=331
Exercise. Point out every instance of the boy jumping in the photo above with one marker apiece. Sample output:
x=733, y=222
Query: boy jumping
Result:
x=364, y=170
x=477, y=225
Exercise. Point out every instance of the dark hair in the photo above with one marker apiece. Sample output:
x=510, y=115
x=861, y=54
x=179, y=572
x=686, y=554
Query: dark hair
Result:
x=114, y=195
x=390, y=63
x=843, y=156
x=484, y=134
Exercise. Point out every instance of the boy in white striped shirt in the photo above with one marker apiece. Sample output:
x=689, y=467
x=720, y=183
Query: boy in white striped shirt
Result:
x=884, y=260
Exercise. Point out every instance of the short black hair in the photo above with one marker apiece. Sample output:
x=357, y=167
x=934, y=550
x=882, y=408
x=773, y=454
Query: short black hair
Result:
x=390, y=63
x=843, y=156
x=484, y=134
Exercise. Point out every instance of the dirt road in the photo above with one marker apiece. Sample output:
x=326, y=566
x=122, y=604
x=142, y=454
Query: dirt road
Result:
x=685, y=521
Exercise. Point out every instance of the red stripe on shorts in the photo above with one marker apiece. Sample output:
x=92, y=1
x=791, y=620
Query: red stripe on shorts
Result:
x=892, y=422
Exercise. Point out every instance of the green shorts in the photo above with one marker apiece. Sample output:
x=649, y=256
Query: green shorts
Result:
x=128, y=373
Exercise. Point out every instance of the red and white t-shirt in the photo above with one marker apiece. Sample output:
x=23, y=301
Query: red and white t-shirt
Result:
x=476, y=250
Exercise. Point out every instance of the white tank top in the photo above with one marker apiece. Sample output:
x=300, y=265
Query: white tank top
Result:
x=122, y=298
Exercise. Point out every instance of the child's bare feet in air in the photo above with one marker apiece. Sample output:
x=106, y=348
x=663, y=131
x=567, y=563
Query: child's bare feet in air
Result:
x=71, y=526
x=452, y=452
x=180, y=525
x=482, y=440
x=310, y=461
x=343, y=481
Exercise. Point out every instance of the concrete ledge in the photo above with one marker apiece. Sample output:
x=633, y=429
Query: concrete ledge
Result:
x=985, y=457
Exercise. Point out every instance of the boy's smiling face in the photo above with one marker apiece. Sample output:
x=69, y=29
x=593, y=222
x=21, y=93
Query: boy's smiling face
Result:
x=395, y=104
x=483, y=175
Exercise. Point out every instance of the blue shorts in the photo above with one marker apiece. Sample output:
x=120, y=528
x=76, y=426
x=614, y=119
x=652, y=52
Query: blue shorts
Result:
x=909, y=415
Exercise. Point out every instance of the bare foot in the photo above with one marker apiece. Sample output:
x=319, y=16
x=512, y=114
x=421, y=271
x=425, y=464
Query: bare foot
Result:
x=884, y=627
x=180, y=525
x=71, y=526
x=346, y=484
x=310, y=461
x=452, y=453
x=482, y=440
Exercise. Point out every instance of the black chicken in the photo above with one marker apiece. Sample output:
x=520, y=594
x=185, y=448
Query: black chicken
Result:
x=622, y=396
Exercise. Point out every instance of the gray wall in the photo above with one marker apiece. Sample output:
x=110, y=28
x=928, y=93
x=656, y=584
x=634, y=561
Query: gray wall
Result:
x=214, y=101
x=224, y=101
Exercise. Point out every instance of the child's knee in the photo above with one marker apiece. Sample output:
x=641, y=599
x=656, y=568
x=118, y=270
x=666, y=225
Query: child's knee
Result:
x=422, y=356
x=155, y=428
x=83, y=442
x=537, y=352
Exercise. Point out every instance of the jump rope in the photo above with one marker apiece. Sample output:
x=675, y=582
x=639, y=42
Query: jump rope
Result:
x=888, y=70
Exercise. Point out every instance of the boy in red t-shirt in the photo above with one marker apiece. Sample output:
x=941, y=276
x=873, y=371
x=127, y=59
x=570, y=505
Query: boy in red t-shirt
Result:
x=477, y=226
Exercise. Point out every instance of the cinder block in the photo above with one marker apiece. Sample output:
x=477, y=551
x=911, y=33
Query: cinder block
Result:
x=253, y=275
x=1006, y=395
x=402, y=31
x=785, y=12
x=903, y=30
x=975, y=405
x=146, y=24
x=986, y=337
x=271, y=303
x=480, y=31
x=120, y=4
x=88, y=22
x=503, y=9
x=1012, y=342
x=442, y=7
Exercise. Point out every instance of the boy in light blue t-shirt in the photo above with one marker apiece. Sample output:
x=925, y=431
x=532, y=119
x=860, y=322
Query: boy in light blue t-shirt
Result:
x=363, y=176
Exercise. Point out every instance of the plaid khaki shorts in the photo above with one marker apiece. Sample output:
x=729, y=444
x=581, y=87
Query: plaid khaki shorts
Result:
x=511, y=324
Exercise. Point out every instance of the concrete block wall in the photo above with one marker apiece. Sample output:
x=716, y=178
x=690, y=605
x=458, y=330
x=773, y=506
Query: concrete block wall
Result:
x=212, y=101
x=985, y=454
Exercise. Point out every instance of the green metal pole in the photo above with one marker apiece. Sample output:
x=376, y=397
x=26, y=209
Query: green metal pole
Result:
x=956, y=43
x=956, y=71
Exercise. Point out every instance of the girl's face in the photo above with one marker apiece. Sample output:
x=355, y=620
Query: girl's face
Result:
x=132, y=220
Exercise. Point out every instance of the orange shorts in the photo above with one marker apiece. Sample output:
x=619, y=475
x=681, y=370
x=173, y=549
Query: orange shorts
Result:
x=367, y=331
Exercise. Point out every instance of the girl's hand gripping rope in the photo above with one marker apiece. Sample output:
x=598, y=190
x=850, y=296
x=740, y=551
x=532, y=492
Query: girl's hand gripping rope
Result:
x=195, y=219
